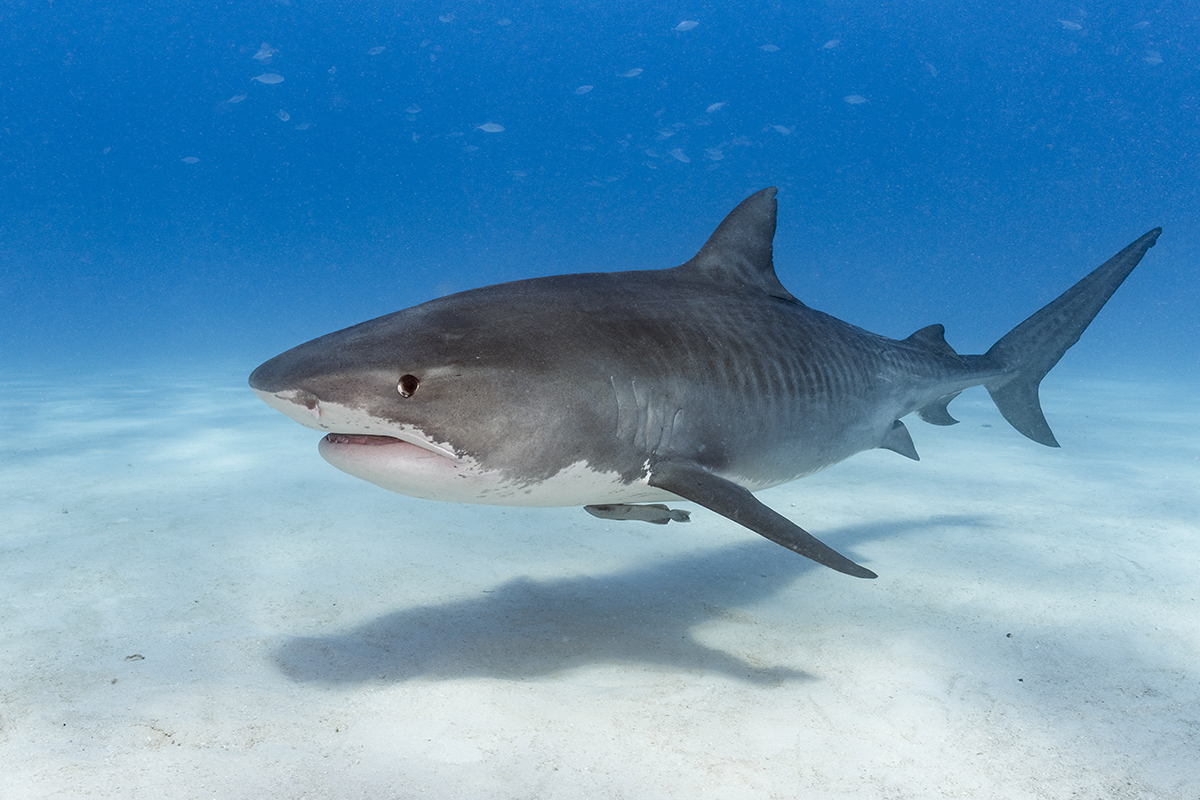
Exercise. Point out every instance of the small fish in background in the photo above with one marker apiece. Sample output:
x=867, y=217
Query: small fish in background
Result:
x=1070, y=26
x=633, y=73
x=679, y=155
x=769, y=48
x=283, y=115
x=584, y=89
x=832, y=43
x=413, y=109
x=190, y=160
x=374, y=51
x=264, y=53
x=1153, y=57
x=855, y=99
x=447, y=17
x=269, y=78
x=490, y=127
x=715, y=107
x=686, y=25
x=783, y=129
x=237, y=98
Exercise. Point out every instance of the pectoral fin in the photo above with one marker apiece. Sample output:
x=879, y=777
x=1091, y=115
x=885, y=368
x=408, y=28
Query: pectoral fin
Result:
x=692, y=482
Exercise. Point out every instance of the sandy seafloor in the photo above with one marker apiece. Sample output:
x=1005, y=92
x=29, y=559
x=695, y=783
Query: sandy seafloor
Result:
x=195, y=605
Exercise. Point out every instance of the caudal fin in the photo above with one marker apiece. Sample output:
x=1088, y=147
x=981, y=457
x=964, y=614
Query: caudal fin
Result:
x=1030, y=350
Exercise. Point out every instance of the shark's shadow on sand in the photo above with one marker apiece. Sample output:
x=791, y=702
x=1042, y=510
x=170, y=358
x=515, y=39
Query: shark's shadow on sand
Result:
x=524, y=628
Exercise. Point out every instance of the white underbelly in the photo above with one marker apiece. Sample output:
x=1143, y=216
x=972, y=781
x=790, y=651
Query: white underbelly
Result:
x=410, y=470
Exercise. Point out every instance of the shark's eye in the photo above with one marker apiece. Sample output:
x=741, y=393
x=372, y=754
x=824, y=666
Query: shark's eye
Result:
x=408, y=385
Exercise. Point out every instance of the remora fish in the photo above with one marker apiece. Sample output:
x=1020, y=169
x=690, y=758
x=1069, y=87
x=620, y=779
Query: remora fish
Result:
x=706, y=381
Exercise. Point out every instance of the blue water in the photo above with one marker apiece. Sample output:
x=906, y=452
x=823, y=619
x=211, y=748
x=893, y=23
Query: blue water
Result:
x=937, y=162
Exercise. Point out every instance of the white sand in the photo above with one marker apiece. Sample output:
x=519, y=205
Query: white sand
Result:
x=196, y=605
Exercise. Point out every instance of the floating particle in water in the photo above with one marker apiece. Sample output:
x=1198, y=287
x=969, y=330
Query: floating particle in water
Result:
x=686, y=25
x=633, y=73
x=190, y=160
x=490, y=127
x=1070, y=26
x=783, y=129
x=832, y=43
x=584, y=89
x=283, y=115
x=264, y=53
x=714, y=153
x=1153, y=57
x=447, y=17
x=855, y=99
x=769, y=48
x=374, y=51
x=679, y=155
x=237, y=98
x=413, y=109
x=1141, y=25
x=504, y=21
x=715, y=107
x=268, y=78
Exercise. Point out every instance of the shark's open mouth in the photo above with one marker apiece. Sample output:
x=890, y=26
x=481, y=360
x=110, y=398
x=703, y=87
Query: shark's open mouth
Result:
x=349, y=442
x=362, y=438
x=415, y=468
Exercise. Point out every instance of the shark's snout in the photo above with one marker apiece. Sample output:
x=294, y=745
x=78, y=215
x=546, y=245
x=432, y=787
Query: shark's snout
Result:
x=297, y=404
x=269, y=376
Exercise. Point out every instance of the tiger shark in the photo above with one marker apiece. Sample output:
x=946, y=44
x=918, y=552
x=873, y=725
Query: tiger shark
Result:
x=704, y=382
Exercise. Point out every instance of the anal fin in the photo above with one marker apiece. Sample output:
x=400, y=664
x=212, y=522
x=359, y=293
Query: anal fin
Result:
x=692, y=482
x=936, y=412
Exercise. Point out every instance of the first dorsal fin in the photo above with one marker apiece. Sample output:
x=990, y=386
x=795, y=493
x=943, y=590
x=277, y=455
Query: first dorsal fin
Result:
x=739, y=251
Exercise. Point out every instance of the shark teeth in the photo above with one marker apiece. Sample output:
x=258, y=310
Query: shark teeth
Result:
x=361, y=438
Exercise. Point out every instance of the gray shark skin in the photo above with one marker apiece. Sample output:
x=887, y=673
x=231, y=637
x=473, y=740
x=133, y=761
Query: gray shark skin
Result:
x=703, y=382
